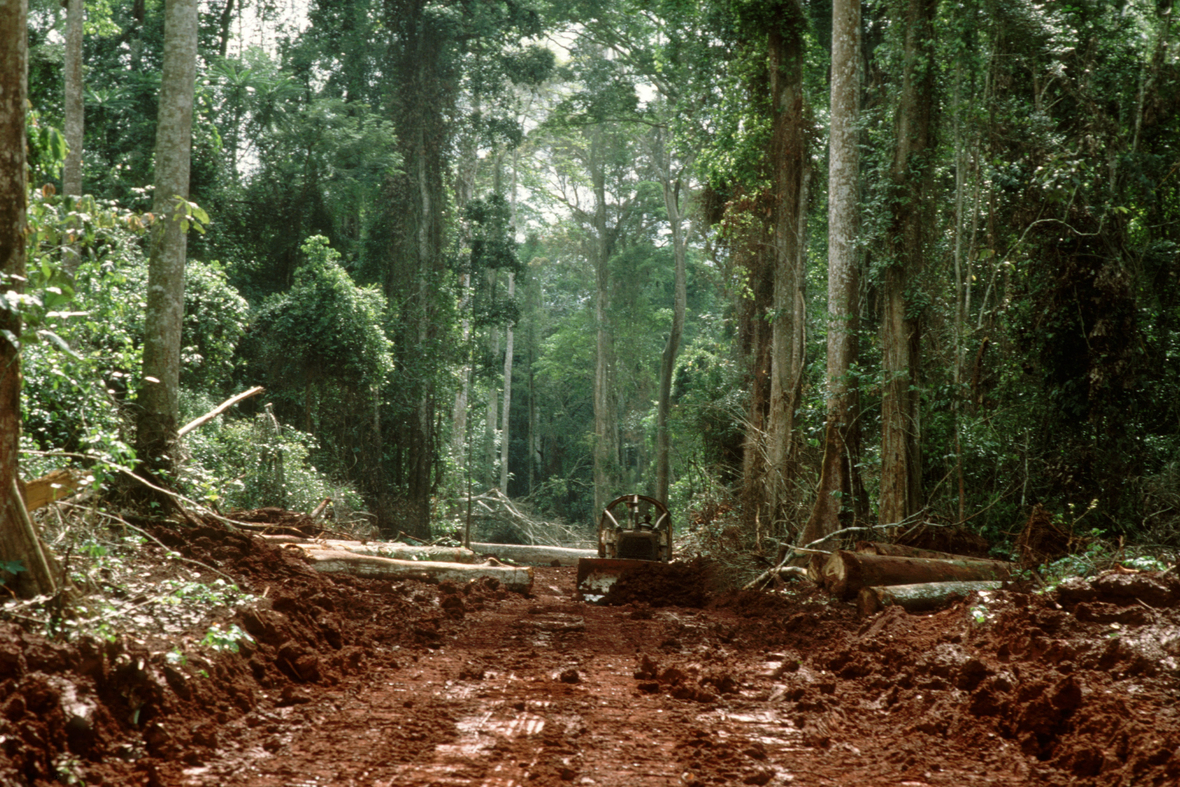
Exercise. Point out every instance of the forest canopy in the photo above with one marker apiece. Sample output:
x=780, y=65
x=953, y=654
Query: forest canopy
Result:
x=787, y=270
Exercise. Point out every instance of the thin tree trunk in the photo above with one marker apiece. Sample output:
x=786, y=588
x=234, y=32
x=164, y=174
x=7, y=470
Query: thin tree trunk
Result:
x=672, y=346
x=459, y=411
x=505, y=432
x=834, y=504
x=901, y=461
x=71, y=176
x=493, y=405
x=71, y=179
x=158, y=399
x=227, y=18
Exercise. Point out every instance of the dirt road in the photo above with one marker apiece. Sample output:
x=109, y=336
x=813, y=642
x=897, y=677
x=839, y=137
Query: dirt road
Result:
x=361, y=682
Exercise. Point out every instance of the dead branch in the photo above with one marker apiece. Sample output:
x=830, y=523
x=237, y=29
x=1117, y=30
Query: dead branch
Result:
x=218, y=410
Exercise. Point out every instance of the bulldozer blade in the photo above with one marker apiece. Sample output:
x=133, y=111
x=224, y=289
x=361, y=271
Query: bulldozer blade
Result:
x=596, y=575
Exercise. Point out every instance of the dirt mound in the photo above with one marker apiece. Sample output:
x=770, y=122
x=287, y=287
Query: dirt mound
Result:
x=128, y=710
x=663, y=585
x=1042, y=539
x=1049, y=687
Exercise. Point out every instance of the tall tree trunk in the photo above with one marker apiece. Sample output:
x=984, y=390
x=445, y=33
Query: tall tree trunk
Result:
x=459, y=411
x=672, y=346
x=606, y=432
x=18, y=541
x=493, y=404
x=834, y=505
x=750, y=253
x=158, y=399
x=227, y=18
x=414, y=266
x=505, y=432
x=788, y=150
x=901, y=461
x=71, y=177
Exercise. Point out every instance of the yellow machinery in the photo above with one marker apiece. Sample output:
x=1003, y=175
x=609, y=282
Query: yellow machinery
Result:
x=632, y=530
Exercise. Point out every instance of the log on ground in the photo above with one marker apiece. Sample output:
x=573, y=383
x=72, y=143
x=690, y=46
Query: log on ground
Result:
x=390, y=549
x=534, y=555
x=901, y=550
x=845, y=573
x=924, y=597
x=330, y=561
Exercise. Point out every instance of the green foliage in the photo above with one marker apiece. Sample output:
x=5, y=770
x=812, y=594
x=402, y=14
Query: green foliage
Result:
x=228, y=639
x=254, y=462
x=324, y=328
x=215, y=319
x=84, y=334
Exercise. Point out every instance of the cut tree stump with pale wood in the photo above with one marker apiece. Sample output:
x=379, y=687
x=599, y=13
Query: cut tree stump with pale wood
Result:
x=924, y=597
x=845, y=573
x=50, y=488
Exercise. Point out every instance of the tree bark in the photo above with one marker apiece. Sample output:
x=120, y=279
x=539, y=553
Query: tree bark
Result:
x=900, y=550
x=505, y=432
x=18, y=542
x=924, y=597
x=845, y=573
x=901, y=460
x=788, y=153
x=224, y=22
x=158, y=400
x=71, y=179
x=672, y=346
x=606, y=429
x=835, y=504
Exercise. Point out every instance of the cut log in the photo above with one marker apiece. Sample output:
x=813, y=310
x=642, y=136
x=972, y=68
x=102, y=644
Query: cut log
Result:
x=332, y=561
x=845, y=573
x=390, y=549
x=50, y=488
x=320, y=509
x=534, y=555
x=925, y=597
x=900, y=550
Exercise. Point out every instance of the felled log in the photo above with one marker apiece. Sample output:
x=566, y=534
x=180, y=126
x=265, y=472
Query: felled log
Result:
x=534, y=554
x=331, y=561
x=390, y=549
x=901, y=550
x=57, y=485
x=218, y=410
x=924, y=597
x=845, y=573
x=319, y=510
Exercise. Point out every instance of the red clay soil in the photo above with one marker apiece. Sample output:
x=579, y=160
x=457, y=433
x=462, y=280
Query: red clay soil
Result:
x=368, y=682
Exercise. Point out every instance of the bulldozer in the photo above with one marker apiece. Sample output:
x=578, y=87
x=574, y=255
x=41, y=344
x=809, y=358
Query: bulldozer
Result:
x=633, y=530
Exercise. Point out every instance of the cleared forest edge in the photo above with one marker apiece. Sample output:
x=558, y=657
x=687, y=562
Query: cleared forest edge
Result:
x=350, y=680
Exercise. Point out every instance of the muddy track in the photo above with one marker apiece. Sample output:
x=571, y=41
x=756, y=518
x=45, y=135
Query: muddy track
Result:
x=361, y=682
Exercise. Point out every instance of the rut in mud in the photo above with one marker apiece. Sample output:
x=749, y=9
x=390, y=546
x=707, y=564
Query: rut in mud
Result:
x=368, y=682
